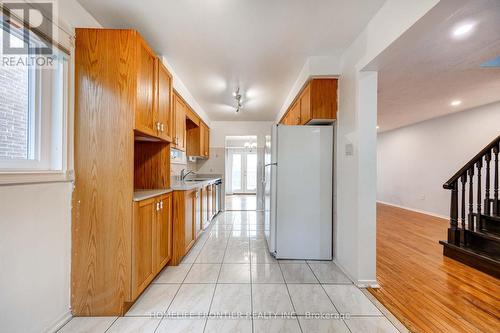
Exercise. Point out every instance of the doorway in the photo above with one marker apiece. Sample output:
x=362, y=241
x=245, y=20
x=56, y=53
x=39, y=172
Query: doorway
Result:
x=241, y=172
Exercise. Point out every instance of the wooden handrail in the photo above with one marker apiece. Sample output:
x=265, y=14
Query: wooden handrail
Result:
x=449, y=185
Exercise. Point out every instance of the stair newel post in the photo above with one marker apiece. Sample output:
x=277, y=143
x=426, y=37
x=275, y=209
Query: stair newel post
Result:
x=496, y=204
x=471, y=199
x=487, y=207
x=453, y=232
x=479, y=165
x=463, y=240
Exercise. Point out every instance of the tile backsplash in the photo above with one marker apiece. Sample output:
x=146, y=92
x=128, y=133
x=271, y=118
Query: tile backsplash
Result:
x=179, y=161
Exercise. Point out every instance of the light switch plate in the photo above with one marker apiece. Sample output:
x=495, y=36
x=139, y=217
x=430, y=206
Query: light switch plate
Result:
x=349, y=149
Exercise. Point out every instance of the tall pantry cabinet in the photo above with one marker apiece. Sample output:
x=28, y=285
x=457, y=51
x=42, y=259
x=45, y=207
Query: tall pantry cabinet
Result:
x=117, y=106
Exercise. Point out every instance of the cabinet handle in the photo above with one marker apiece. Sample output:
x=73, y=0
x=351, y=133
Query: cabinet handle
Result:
x=162, y=127
x=158, y=126
x=161, y=204
x=157, y=206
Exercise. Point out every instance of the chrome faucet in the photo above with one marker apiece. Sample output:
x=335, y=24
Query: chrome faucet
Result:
x=184, y=174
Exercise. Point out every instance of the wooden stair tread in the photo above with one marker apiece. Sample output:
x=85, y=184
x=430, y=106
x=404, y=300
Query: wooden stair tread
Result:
x=475, y=252
x=486, y=234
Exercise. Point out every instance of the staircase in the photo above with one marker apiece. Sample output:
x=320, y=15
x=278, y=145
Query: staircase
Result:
x=474, y=232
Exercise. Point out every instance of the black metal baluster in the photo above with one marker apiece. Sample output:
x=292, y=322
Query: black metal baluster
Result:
x=487, y=200
x=471, y=198
x=452, y=232
x=463, y=240
x=479, y=165
x=495, y=186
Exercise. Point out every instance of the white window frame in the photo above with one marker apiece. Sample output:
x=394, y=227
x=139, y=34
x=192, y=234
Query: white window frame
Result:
x=48, y=131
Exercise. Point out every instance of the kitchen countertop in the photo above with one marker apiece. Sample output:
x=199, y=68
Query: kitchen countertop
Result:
x=140, y=195
x=178, y=185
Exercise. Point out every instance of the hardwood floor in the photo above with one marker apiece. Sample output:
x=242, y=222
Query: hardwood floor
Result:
x=426, y=291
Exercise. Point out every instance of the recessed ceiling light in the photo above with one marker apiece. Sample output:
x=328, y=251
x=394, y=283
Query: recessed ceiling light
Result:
x=463, y=30
x=456, y=103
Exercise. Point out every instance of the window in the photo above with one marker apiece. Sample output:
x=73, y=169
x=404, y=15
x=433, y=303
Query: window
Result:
x=33, y=104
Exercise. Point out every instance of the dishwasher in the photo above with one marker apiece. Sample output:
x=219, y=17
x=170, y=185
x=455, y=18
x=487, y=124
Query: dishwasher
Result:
x=218, y=196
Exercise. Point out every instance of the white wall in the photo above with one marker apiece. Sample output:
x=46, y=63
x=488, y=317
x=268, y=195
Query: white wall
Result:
x=35, y=237
x=355, y=173
x=415, y=161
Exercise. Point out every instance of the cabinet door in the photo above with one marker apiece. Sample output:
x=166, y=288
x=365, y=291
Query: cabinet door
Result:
x=214, y=205
x=197, y=213
x=145, y=117
x=204, y=140
x=164, y=103
x=204, y=208
x=305, y=105
x=143, y=269
x=180, y=124
x=207, y=142
x=209, y=203
x=189, y=231
x=163, y=232
x=295, y=114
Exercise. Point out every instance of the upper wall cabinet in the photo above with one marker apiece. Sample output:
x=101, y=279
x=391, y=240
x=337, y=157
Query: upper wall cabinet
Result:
x=153, y=110
x=316, y=104
x=145, y=117
x=163, y=103
x=179, y=123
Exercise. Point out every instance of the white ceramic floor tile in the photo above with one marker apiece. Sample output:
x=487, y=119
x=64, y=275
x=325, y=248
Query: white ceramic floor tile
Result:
x=266, y=273
x=349, y=299
x=313, y=325
x=87, y=325
x=262, y=256
x=231, y=299
x=371, y=325
x=173, y=274
x=190, y=257
x=276, y=326
x=258, y=244
x=134, y=325
x=211, y=256
x=298, y=273
x=235, y=242
x=234, y=273
x=192, y=299
x=285, y=261
x=237, y=255
x=310, y=298
x=229, y=326
x=203, y=273
x=155, y=299
x=329, y=273
x=271, y=298
x=174, y=325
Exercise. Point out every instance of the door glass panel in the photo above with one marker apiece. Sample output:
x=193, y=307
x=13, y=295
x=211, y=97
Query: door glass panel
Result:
x=236, y=172
x=251, y=172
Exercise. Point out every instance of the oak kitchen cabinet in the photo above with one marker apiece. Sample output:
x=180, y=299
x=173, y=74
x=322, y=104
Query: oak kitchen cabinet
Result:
x=186, y=217
x=197, y=140
x=163, y=104
x=117, y=249
x=180, y=109
x=151, y=240
x=316, y=104
x=153, y=111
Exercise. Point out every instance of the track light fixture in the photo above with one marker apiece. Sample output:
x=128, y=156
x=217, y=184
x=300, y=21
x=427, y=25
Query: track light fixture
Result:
x=239, y=100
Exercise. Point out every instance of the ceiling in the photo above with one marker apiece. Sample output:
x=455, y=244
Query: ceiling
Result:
x=428, y=68
x=259, y=45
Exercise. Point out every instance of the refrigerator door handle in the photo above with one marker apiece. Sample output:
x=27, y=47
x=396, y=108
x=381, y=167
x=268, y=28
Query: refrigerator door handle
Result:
x=271, y=164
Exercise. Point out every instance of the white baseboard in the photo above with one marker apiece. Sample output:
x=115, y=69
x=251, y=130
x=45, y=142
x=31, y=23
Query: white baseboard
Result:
x=63, y=320
x=414, y=210
x=358, y=283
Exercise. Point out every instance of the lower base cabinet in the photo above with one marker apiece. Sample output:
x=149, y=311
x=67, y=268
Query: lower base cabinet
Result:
x=151, y=240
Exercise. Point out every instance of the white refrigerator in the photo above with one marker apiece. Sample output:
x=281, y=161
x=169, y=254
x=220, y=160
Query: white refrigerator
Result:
x=299, y=192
